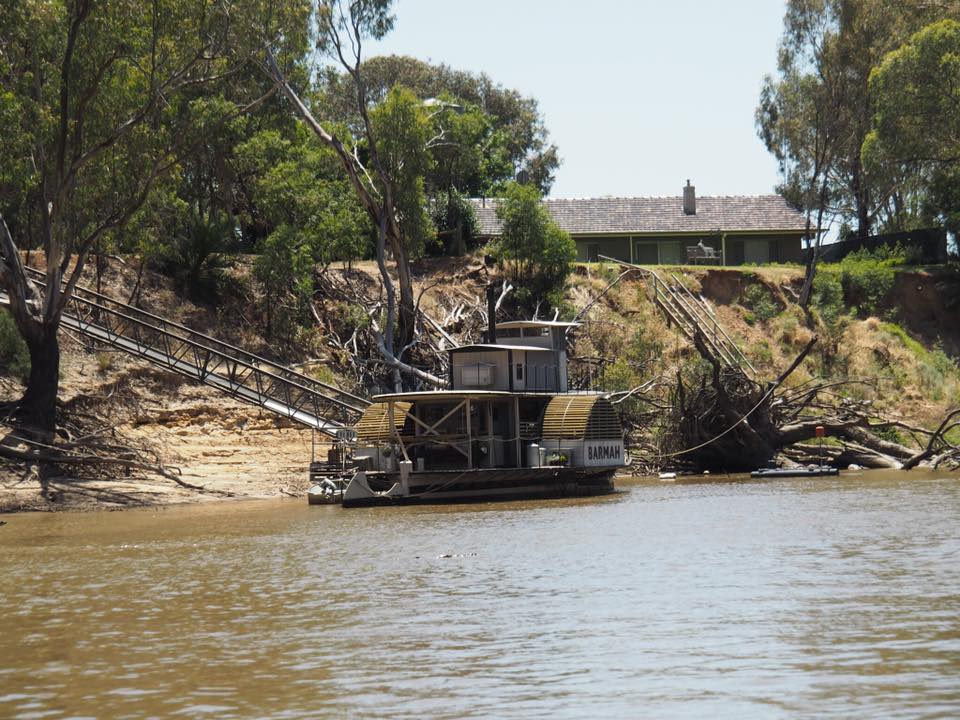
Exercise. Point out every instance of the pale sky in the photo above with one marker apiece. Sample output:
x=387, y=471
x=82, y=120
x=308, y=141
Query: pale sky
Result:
x=638, y=96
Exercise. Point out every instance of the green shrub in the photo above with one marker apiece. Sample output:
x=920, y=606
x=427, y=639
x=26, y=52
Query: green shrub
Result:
x=195, y=256
x=828, y=296
x=934, y=367
x=788, y=329
x=868, y=276
x=890, y=434
x=14, y=356
x=758, y=298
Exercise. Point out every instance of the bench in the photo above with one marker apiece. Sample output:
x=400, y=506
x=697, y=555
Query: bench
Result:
x=695, y=253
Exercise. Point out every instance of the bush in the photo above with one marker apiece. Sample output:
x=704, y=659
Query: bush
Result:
x=935, y=369
x=195, y=257
x=758, y=298
x=534, y=252
x=104, y=362
x=828, y=296
x=453, y=213
x=14, y=356
x=868, y=276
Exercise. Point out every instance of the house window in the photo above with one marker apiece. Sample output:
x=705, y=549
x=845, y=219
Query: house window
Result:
x=477, y=374
x=756, y=251
x=593, y=252
x=645, y=253
x=775, y=251
x=671, y=252
x=519, y=371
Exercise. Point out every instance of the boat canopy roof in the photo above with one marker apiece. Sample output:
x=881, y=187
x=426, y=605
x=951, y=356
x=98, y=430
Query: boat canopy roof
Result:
x=464, y=394
x=497, y=346
x=374, y=425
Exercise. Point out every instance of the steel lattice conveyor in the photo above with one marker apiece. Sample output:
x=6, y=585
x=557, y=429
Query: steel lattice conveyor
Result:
x=235, y=372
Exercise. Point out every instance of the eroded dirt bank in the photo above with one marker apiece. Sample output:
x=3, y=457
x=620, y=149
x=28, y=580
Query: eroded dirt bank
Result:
x=215, y=447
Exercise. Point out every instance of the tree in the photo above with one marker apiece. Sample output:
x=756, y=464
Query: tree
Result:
x=342, y=32
x=403, y=127
x=827, y=52
x=98, y=95
x=916, y=124
x=534, y=252
x=502, y=129
x=798, y=125
x=312, y=214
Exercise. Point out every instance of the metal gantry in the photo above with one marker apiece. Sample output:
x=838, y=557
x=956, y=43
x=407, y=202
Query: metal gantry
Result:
x=231, y=370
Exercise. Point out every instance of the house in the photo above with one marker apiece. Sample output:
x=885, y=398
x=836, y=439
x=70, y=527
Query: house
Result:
x=751, y=229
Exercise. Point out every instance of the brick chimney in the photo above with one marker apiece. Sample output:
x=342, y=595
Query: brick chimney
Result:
x=689, y=200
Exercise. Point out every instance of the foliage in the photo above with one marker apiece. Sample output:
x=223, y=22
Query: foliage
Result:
x=828, y=300
x=758, y=298
x=297, y=186
x=455, y=217
x=14, y=357
x=916, y=122
x=533, y=251
x=763, y=353
x=195, y=256
x=816, y=114
x=491, y=134
x=402, y=127
x=936, y=371
x=828, y=296
x=868, y=276
x=99, y=103
x=284, y=269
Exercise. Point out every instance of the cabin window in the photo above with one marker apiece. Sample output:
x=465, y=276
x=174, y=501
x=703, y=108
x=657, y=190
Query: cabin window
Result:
x=593, y=252
x=477, y=374
x=519, y=371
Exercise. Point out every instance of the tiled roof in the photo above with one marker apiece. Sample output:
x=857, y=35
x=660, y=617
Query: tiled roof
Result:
x=585, y=216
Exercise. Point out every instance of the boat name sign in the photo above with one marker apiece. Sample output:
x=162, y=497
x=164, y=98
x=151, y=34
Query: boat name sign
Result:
x=603, y=452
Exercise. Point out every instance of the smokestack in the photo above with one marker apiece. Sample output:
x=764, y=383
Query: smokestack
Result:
x=492, y=314
x=689, y=200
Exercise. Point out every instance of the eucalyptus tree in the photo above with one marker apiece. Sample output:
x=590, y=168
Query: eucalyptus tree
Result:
x=373, y=165
x=504, y=133
x=817, y=112
x=534, y=251
x=916, y=101
x=96, y=102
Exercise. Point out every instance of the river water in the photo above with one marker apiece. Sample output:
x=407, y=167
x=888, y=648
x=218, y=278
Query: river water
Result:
x=728, y=599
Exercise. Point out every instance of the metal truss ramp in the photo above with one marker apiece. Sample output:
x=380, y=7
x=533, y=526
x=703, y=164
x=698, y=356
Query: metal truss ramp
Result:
x=232, y=371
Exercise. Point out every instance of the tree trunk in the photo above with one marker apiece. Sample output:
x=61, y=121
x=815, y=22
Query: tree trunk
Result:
x=38, y=407
x=407, y=325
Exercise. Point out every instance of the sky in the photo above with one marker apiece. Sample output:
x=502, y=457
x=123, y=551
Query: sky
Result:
x=638, y=96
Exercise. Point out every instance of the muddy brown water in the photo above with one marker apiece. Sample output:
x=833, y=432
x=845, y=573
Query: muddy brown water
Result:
x=835, y=597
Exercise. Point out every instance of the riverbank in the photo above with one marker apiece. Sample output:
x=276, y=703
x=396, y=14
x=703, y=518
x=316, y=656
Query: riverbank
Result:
x=215, y=447
x=896, y=355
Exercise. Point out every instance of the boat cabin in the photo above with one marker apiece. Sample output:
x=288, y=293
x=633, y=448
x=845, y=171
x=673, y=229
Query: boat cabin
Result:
x=523, y=356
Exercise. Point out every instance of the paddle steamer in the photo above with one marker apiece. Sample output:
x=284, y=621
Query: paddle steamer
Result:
x=508, y=427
